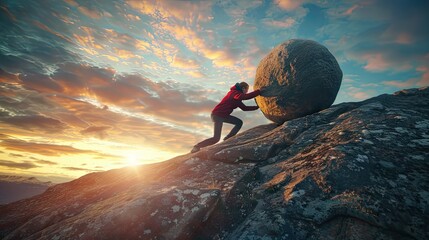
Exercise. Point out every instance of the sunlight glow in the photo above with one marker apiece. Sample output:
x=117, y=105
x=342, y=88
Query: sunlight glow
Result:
x=132, y=159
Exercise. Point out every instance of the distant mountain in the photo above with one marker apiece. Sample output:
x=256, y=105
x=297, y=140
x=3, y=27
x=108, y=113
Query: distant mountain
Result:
x=14, y=188
x=357, y=170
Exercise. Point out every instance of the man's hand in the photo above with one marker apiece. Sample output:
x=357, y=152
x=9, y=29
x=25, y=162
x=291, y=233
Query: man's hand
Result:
x=263, y=90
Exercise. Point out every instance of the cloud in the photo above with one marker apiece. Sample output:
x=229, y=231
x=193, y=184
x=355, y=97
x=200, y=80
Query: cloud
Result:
x=190, y=12
x=76, y=79
x=80, y=169
x=119, y=47
x=131, y=91
x=99, y=131
x=91, y=101
x=350, y=10
x=196, y=74
x=395, y=42
x=8, y=13
x=36, y=122
x=286, y=23
x=132, y=17
x=42, y=148
x=401, y=84
x=421, y=81
x=125, y=54
x=358, y=93
x=88, y=11
x=87, y=40
x=40, y=82
x=184, y=63
x=221, y=57
x=44, y=162
x=47, y=29
x=15, y=155
x=17, y=165
x=6, y=77
x=375, y=62
x=289, y=5
x=424, y=79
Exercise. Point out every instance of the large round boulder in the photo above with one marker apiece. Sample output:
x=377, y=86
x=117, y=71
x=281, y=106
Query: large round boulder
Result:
x=299, y=77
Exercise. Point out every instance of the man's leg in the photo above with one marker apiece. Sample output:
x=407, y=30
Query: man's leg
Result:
x=237, y=126
x=216, y=134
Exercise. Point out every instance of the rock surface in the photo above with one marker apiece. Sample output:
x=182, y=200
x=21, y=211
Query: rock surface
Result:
x=354, y=171
x=301, y=77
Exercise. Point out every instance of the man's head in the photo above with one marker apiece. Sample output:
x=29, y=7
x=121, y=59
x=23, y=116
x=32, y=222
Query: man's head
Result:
x=244, y=86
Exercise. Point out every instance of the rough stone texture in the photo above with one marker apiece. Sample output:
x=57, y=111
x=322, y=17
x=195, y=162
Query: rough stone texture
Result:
x=354, y=171
x=301, y=77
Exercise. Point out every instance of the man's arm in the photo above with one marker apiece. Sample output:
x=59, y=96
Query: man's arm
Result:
x=247, y=96
x=247, y=108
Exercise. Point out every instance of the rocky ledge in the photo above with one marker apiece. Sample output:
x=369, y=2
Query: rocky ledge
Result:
x=356, y=170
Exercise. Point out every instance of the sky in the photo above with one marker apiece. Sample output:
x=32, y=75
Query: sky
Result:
x=89, y=86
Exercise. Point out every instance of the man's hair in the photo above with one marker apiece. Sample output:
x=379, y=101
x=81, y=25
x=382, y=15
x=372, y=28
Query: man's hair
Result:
x=244, y=85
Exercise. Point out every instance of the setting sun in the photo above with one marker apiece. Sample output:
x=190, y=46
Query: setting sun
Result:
x=132, y=159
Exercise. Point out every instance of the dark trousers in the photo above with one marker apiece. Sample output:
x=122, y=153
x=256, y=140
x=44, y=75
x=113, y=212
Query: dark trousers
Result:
x=218, y=122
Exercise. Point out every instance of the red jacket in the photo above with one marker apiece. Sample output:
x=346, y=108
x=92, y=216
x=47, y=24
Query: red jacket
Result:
x=232, y=100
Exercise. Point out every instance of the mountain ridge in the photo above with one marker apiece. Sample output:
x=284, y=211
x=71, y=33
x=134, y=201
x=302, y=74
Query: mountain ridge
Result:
x=14, y=188
x=354, y=171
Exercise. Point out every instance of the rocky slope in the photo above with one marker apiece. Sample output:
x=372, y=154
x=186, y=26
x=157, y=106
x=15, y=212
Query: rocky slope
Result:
x=353, y=171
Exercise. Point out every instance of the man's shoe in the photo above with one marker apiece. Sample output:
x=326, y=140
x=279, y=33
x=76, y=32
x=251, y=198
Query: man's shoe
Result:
x=195, y=149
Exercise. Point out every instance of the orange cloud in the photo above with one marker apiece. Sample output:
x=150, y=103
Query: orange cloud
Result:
x=98, y=131
x=77, y=80
x=125, y=46
x=17, y=165
x=402, y=84
x=6, y=77
x=42, y=148
x=424, y=80
x=404, y=38
x=184, y=63
x=289, y=5
x=142, y=45
x=112, y=58
x=351, y=10
x=375, y=62
x=138, y=111
x=47, y=29
x=37, y=122
x=188, y=11
x=87, y=41
x=116, y=37
x=125, y=54
x=358, y=93
x=90, y=13
x=196, y=74
x=197, y=44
